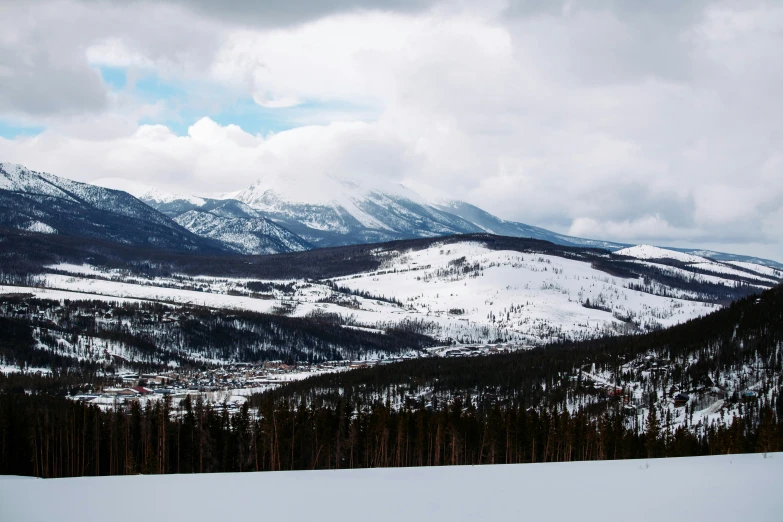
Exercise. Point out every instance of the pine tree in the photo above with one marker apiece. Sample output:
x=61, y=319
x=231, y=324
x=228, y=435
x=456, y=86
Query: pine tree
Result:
x=652, y=433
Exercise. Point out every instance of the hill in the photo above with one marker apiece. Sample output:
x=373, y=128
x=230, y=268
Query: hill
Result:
x=43, y=203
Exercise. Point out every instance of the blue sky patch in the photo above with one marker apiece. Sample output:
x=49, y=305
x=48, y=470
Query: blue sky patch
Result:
x=187, y=102
x=10, y=130
x=115, y=77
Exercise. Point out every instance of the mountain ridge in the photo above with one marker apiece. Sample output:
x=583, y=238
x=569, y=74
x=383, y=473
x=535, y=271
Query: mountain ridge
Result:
x=279, y=214
x=241, y=229
x=341, y=217
x=44, y=203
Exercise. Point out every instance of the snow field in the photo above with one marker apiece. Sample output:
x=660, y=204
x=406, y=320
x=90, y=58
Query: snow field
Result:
x=648, y=252
x=717, y=489
x=765, y=270
x=463, y=291
x=653, y=252
x=531, y=295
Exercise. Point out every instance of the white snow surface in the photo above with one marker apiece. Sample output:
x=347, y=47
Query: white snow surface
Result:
x=464, y=292
x=760, y=272
x=716, y=489
x=320, y=190
x=653, y=252
x=723, y=269
x=528, y=295
x=116, y=291
x=759, y=269
x=37, y=226
x=146, y=192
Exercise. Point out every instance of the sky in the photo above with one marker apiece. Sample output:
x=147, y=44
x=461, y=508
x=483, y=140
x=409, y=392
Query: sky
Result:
x=633, y=121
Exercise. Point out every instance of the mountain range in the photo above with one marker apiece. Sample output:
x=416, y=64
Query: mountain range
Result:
x=277, y=214
x=44, y=203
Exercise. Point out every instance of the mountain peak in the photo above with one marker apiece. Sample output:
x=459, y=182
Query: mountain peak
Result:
x=146, y=192
x=272, y=190
x=45, y=203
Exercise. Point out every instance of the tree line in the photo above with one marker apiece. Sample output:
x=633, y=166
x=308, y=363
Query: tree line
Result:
x=51, y=437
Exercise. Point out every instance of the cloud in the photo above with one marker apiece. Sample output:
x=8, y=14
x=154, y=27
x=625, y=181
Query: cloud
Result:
x=40, y=73
x=608, y=119
x=647, y=228
x=113, y=52
x=49, y=52
x=212, y=157
x=269, y=13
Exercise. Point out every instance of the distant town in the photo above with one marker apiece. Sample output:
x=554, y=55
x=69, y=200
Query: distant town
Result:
x=230, y=385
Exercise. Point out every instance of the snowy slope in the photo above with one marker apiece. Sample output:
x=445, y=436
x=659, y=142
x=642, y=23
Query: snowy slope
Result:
x=653, y=252
x=759, y=269
x=241, y=229
x=751, y=271
x=722, y=488
x=464, y=291
x=328, y=211
x=467, y=291
x=729, y=258
x=463, y=294
x=474, y=294
x=147, y=193
x=42, y=202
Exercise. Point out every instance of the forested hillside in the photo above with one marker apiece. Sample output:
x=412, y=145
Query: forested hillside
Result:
x=744, y=338
x=465, y=289
x=642, y=396
x=108, y=337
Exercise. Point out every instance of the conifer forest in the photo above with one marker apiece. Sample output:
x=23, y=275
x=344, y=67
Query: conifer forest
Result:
x=546, y=404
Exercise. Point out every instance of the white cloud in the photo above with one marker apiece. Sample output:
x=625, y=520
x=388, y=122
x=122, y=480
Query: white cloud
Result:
x=113, y=52
x=211, y=157
x=647, y=228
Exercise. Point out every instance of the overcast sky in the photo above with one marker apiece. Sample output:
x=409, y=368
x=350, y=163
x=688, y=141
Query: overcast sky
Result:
x=623, y=120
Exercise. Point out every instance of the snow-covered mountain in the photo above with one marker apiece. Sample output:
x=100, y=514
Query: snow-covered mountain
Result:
x=240, y=228
x=170, y=203
x=44, y=203
x=653, y=252
x=326, y=211
x=330, y=211
x=236, y=226
x=464, y=289
x=146, y=192
x=280, y=214
x=700, y=267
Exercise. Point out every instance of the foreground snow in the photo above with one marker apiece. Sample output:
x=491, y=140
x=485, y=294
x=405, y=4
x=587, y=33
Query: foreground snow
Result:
x=723, y=488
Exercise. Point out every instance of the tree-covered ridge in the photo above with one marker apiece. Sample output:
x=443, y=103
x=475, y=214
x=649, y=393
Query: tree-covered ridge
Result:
x=342, y=421
x=148, y=336
x=744, y=339
x=26, y=254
